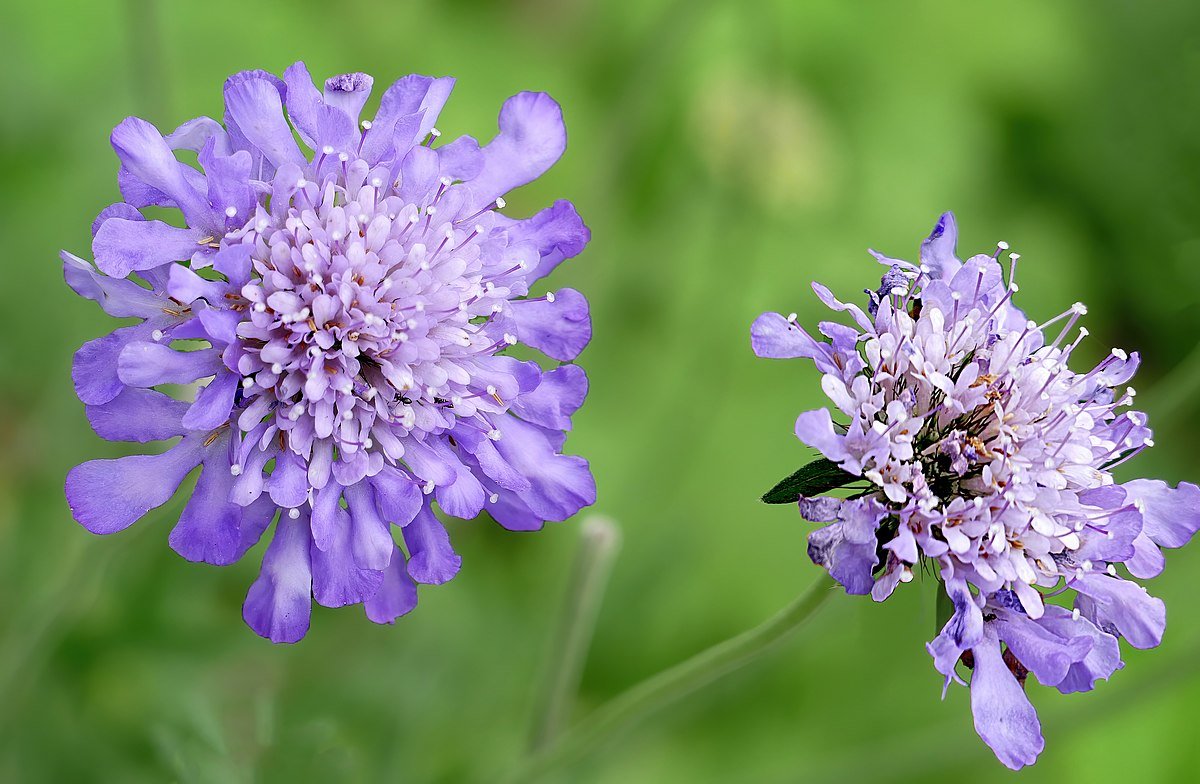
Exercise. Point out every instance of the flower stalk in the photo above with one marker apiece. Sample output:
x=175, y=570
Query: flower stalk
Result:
x=655, y=693
x=600, y=540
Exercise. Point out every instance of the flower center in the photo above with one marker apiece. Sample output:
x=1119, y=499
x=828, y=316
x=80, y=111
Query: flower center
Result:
x=369, y=307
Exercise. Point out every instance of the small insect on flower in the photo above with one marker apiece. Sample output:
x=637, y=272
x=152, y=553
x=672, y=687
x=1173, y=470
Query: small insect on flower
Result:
x=965, y=442
x=353, y=308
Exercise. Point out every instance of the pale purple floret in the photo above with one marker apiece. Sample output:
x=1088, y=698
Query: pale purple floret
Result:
x=347, y=314
x=987, y=458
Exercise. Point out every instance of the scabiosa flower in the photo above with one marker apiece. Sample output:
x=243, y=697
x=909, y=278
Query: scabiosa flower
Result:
x=969, y=445
x=347, y=315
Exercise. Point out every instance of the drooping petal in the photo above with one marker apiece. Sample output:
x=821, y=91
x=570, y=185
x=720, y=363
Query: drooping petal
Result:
x=432, y=561
x=396, y=595
x=1004, y=718
x=370, y=539
x=279, y=604
x=849, y=563
x=337, y=578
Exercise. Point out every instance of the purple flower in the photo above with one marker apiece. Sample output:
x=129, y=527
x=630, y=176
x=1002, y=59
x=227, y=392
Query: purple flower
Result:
x=344, y=317
x=978, y=451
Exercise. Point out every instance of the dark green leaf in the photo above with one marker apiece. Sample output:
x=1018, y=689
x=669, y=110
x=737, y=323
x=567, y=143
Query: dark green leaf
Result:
x=817, y=477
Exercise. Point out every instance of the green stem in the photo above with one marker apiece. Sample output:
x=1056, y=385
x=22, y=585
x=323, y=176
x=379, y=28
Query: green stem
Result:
x=655, y=693
x=599, y=541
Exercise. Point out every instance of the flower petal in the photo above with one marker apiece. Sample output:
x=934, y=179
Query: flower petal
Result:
x=370, y=538
x=278, y=605
x=558, y=396
x=1004, y=718
x=124, y=246
x=145, y=155
x=107, y=496
x=138, y=415
x=531, y=139
x=559, y=329
x=432, y=561
x=396, y=595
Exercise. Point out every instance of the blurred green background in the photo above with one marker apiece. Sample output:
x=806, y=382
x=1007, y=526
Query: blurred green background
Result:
x=724, y=154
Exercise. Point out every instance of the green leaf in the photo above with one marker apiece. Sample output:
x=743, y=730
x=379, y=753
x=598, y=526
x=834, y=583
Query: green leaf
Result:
x=817, y=477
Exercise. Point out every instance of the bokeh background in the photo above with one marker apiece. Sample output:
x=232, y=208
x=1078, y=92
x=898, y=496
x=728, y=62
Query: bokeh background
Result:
x=724, y=154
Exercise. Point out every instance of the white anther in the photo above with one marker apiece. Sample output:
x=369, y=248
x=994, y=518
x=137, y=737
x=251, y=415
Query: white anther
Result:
x=500, y=203
x=300, y=183
x=260, y=307
x=1002, y=245
x=247, y=382
x=493, y=498
x=1120, y=354
x=549, y=296
x=1149, y=442
x=347, y=415
x=336, y=236
x=1075, y=614
x=314, y=352
x=493, y=434
x=293, y=513
x=434, y=132
x=510, y=339
x=235, y=469
x=491, y=390
x=277, y=368
x=1079, y=309
x=230, y=211
x=446, y=181
x=791, y=318
x=343, y=157
x=327, y=149
x=1014, y=256
x=156, y=335
x=427, y=488
x=366, y=125
x=368, y=443
x=376, y=182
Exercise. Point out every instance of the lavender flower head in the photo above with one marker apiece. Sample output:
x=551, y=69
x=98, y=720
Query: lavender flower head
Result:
x=347, y=315
x=971, y=446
